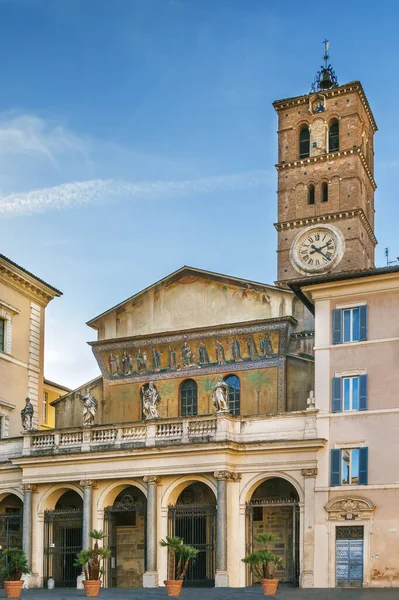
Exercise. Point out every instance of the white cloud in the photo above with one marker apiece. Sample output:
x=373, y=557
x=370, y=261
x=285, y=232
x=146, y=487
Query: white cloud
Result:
x=78, y=193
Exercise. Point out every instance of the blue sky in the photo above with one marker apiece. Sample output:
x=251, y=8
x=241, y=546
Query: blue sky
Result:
x=138, y=135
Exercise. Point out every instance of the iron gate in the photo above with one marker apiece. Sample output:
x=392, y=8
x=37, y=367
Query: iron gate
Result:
x=10, y=532
x=127, y=506
x=349, y=556
x=62, y=541
x=197, y=526
x=291, y=561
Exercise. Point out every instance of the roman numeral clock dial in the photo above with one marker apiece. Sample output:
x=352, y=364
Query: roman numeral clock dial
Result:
x=317, y=249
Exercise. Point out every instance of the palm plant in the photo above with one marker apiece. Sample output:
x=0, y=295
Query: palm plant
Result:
x=90, y=560
x=180, y=551
x=263, y=562
x=15, y=564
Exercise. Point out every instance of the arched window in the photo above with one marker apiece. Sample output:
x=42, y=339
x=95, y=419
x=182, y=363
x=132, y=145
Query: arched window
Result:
x=304, y=142
x=333, y=136
x=234, y=394
x=188, y=398
x=311, y=194
x=324, y=191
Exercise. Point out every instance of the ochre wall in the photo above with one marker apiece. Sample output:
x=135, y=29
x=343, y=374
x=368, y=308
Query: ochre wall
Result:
x=300, y=380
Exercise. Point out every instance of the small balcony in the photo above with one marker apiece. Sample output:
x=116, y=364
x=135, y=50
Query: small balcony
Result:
x=160, y=433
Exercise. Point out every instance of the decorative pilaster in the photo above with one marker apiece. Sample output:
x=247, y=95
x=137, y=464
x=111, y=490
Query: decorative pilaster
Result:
x=307, y=575
x=150, y=577
x=28, y=489
x=222, y=576
x=87, y=485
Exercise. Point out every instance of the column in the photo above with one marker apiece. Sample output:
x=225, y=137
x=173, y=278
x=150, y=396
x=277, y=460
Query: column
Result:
x=307, y=574
x=28, y=489
x=87, y=485
x=150, y=577
x=222, y=577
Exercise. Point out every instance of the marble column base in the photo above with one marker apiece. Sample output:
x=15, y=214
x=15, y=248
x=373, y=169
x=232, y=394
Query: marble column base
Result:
x=79, y=581
x=222, y=579
x=150, y=579
x=307, y=579
x=31, y=580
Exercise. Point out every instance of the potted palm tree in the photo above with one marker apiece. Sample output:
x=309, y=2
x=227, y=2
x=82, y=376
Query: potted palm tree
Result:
x=90, y=562
x=263, y=563
x=15, y=564
x=179, y=558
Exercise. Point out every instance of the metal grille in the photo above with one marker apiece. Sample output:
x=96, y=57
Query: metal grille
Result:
x=197, y=526
x=349, y=556
x=10, y=532
x=62, y=541
x=291, y=566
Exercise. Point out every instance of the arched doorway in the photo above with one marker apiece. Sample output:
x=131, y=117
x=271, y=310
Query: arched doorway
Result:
x=63, y=539
x=193, y=518
x=11, y=508
x=274, y=507
x=125, y=526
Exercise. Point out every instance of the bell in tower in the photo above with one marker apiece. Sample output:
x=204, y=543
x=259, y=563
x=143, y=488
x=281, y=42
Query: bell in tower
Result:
x=325, y=78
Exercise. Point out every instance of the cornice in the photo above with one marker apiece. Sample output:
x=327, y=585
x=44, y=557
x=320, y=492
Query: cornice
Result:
x=25, y=285
x=357, y=150
x=344, y=214
x=337, y=91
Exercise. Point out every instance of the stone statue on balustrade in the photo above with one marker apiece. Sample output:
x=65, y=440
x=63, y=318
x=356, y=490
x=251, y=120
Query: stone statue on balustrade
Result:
x=220, y=396
x=151, y=399
x=27, y=415
x=89, y=406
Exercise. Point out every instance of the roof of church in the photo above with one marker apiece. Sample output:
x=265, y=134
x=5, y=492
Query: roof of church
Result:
x=58, y=386
x=182, y=272
x=296, y=285
x=334, y=91
x=14, y=264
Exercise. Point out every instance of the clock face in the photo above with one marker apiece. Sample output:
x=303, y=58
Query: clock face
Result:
x=317, y=249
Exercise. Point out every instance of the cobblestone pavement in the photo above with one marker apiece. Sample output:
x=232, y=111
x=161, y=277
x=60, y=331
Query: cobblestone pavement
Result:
x=216, y=594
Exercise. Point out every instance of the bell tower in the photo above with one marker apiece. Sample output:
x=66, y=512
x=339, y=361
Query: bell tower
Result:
x=325, y=179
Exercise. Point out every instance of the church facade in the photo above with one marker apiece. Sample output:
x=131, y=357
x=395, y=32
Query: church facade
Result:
x=204, y=423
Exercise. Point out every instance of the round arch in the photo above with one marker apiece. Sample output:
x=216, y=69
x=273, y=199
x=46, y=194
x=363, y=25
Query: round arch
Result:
x=257, y=480
x=50, y=498
x=108, y=495
x=11, y=491
x=174, y=489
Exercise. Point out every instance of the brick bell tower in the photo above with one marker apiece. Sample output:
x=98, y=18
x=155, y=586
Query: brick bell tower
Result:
x=325, y=179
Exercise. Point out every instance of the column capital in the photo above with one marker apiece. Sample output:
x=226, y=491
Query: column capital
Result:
x=309, y=472
x=227, y=475
x=88, y=483
x=151, y=479
x=29, y=487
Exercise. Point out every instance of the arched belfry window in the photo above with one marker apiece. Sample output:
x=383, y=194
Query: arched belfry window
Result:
x=304, y=142
x=333, y=136
x=188, y=398
x=234, y=394
x=311, y=194
x=324, y=191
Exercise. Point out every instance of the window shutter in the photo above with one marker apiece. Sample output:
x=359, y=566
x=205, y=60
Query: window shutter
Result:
x=363, y=322
x=363, y=392
x=337, y=326
x=363, y=466
x=337, y=394
x=335, y=467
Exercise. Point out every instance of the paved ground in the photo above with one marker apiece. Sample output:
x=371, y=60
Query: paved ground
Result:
x=216, y=594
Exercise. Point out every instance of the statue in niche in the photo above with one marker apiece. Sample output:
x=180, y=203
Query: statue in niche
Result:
x=155, y=359
x=141, y=359
x=187, y=356
x=203, y=354
x=252, y=349
x=27, y=415
x=266, y=348
x=172, y=363
x=220, y=396
x=236, y=350
x=89, y=406
x=113, y=361
x=220, y=355
x=151, y=399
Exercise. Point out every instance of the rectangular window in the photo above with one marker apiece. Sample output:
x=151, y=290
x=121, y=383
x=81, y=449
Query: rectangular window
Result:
x=349, y=466
x=45, y=401
x=351, y=393
x=2, y=333
x=349, y=324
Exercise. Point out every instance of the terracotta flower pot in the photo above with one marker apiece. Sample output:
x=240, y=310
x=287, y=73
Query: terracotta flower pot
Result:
x=92, y=587
x=173, y=587
x=269, y=586
x=13, y=588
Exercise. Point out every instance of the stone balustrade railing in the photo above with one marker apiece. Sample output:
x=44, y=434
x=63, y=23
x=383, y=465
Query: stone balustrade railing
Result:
x=162, y=432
